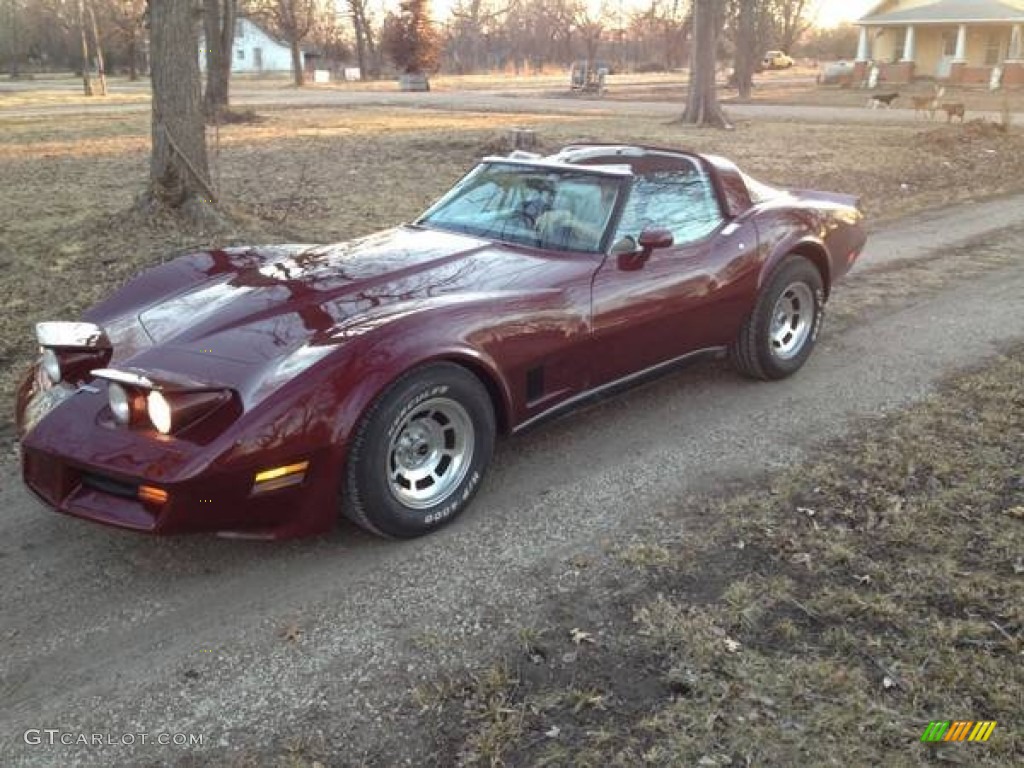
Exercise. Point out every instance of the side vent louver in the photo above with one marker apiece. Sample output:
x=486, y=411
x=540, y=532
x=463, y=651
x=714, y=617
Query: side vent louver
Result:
x=534, y=383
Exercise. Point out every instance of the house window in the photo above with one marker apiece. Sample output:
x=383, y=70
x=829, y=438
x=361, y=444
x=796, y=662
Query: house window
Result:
x=949, y=43
x=241, y=54
x=993, y=49
x=239, y=28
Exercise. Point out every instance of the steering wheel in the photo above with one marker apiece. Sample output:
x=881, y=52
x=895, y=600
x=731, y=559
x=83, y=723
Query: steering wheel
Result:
x=517, y=216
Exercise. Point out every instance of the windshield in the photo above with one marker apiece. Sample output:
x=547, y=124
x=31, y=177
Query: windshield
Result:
x=551, y=208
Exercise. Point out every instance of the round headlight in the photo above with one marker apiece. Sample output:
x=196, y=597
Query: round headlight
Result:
x=120, y=403
x=159, y=412
x=51, y=365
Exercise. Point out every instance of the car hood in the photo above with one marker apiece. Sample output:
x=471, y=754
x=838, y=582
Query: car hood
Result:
x=256, y=305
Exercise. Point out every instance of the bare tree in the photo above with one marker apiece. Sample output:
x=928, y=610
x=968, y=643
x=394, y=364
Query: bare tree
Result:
x=179, y=170
x=293, y=20
x=11, y=32
x=660, y=31
x=702, y=107
x=474, y=24
x=747, y=52
x=98, y=47
x=86, y=63
x=591, y=27
x=832, y=43
x=127, y=20
x=793, y=19
x=366, y=42
x=218, y=40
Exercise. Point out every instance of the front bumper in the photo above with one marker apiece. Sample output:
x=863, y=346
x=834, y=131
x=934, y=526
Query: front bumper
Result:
x=219, y=503
x=80, y=467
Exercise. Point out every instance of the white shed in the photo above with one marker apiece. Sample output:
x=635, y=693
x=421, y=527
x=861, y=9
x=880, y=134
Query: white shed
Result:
x=255, y=51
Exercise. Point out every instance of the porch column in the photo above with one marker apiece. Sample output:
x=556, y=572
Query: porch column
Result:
x=961, y=45
x=1017, y=43
x=908, y=44
x=863, y=52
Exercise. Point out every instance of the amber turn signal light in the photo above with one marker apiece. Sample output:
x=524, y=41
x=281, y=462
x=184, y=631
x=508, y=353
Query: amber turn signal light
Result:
x=151, y=495
x=279, y=477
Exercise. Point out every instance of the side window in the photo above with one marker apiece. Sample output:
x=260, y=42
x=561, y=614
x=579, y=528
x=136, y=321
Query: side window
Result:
x=681, y=201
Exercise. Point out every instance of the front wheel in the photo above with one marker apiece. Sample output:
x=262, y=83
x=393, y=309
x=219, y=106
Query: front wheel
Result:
x=780, y=333
x=420, y=453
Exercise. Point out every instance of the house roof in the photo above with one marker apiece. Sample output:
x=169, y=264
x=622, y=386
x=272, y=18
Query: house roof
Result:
x=262, y=27
x=946, y=12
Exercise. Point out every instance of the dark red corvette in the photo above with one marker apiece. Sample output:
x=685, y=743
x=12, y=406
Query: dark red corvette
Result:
x=258, y=391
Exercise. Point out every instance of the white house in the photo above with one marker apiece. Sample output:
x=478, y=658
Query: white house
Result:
x=255, y=51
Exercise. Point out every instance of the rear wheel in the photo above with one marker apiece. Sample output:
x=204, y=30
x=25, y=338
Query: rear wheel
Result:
x=420, y=453
x=780, y=333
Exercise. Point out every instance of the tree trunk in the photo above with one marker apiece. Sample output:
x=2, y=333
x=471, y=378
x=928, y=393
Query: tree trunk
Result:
x=100, y=68
x=179, y=172
x=746, y=45
x=86, y=64
x=219, y=37
x=793, y=23
x=14, y=63
x=297, y=68
x=360, y=48
x=133, y=56
x=702, y=107
x=372, y=54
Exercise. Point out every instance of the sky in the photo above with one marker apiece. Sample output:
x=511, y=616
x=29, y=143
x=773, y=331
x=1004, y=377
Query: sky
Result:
x=832, y=12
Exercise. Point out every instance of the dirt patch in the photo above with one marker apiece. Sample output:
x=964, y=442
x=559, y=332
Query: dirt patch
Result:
x=238, y=117
x=836, y=610
x=971, y=132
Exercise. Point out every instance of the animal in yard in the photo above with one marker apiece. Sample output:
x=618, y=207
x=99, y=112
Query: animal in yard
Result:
x=924, y=105
x=953, y=109
x=882, y=99
x=927, y=105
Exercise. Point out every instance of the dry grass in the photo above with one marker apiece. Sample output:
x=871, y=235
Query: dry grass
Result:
x=974, y=98
x=67, y=234
x=824, y=619
x=70, y=97
x=793, y=87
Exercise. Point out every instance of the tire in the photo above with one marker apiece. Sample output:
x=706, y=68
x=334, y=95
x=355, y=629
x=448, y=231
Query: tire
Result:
x=794, y=298
x=420, y=452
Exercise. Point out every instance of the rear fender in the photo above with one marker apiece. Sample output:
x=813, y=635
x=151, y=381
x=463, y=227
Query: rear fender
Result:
x=811, y=248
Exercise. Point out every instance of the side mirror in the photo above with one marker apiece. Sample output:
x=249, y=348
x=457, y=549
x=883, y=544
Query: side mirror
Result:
x=628, y=255
x=653, y=239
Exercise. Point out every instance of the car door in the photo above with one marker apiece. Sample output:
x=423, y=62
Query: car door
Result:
x=652, y=307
